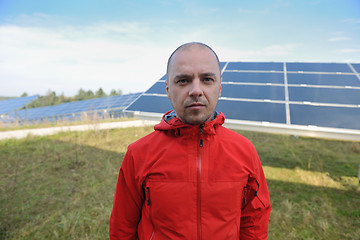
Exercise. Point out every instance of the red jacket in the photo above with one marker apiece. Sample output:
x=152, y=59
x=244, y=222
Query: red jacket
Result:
x=191, y=182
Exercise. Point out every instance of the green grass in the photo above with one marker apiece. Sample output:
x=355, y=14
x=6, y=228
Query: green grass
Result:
x=61, y=186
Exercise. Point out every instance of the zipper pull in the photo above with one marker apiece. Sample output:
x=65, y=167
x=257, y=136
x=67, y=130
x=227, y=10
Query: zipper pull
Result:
x=201, y=132
x=245, y=192
x=147, y=193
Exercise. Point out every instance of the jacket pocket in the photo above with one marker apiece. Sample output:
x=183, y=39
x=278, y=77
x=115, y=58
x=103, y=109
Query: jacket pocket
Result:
x=168, y=206
x=149, y=230
x=250, y=191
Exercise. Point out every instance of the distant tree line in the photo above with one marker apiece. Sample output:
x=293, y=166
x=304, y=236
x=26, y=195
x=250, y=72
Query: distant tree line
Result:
x=52, y=99
x=5, y=98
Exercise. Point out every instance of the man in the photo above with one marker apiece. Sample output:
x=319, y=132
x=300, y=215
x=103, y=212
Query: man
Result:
x=191, y=178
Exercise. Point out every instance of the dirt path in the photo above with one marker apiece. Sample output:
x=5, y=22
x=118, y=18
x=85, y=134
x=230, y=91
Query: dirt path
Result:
x=53, y=130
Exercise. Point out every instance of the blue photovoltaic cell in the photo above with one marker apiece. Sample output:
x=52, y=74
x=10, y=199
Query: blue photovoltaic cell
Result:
x=253, y=111
x=258, y=77
x=253, y=92
x=325, y=95
x=158, y=87
x=10, y=105
x=77, y=107
x=155, y=104
x=255, y=66
x=356, y=66
x=335, y=117
x=323, y=79
x=222, y=64
x=318, y=67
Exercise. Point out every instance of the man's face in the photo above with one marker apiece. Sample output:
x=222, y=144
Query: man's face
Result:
x=194, y=84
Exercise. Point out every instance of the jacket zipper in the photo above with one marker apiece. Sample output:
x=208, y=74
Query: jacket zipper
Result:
x=244, y=195
x=198, y=166
x=147, y=199
x=152, y=236
x=147, y=196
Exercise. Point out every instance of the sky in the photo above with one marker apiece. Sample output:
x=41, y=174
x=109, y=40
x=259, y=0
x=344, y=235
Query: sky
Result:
x=66, y=45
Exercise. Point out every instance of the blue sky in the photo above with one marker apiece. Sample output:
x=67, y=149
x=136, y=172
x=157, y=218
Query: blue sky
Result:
x=67, y=45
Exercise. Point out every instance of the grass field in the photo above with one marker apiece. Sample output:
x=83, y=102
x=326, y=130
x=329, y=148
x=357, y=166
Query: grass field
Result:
x=61, y=186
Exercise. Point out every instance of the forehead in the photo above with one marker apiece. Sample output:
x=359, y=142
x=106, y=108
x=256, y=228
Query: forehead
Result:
x=193, y=60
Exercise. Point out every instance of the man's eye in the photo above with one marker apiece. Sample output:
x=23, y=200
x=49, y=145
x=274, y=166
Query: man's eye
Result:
x=208, y=80
x=182, y=81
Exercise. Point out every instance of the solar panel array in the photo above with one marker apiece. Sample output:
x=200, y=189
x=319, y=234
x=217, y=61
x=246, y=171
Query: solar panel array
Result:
x=73, y=110
x=294, y=93
x=11, y=105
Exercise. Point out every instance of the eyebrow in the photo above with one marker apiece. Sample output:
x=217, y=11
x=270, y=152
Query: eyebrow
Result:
x=208, y=74
x=183, y=76
x=190, y=76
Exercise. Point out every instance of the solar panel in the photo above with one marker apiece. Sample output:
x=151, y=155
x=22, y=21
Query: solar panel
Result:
x=253, y=92
x=10, y=105
x=255, y=66
x=319, y=67
x=158, y=88
x=73, y=109
x=356, y=67
x=249, y=111
x=292, y=95
x=253, y=77
x=325, y=95
x=334, y=117
x=156, y=104
x=323, y=79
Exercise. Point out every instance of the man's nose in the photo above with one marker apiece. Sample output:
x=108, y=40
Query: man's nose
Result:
x=196, y=88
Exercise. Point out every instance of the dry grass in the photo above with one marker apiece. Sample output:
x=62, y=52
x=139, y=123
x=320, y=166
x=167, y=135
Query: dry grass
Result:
x=61, y=186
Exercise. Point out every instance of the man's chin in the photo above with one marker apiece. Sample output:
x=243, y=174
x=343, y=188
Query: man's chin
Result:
x=195, y=120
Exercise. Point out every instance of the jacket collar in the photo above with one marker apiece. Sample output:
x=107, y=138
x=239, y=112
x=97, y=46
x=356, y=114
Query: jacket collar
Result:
x=170, y=122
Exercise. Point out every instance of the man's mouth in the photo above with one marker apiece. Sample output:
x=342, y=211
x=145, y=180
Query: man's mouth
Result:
x=195, y=105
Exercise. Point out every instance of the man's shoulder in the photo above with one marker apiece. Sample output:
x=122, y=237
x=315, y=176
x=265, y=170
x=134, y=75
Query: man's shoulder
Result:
x=233, y=136
x=146, y=140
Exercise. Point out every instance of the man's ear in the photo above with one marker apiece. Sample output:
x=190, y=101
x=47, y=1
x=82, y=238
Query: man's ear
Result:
x=167, y=89
x=220, y=87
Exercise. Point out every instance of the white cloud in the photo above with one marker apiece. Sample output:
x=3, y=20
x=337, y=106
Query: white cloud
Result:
x=35, y=59
x=250, y=11
x=337, y=39
x=351, y=20
x=348, y=50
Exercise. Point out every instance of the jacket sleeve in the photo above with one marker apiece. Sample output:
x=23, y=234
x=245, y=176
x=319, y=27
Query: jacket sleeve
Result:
x=128, y=198
x=256, y=213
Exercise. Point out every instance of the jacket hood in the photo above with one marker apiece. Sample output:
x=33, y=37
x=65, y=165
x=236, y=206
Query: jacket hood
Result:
x=170, y=122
